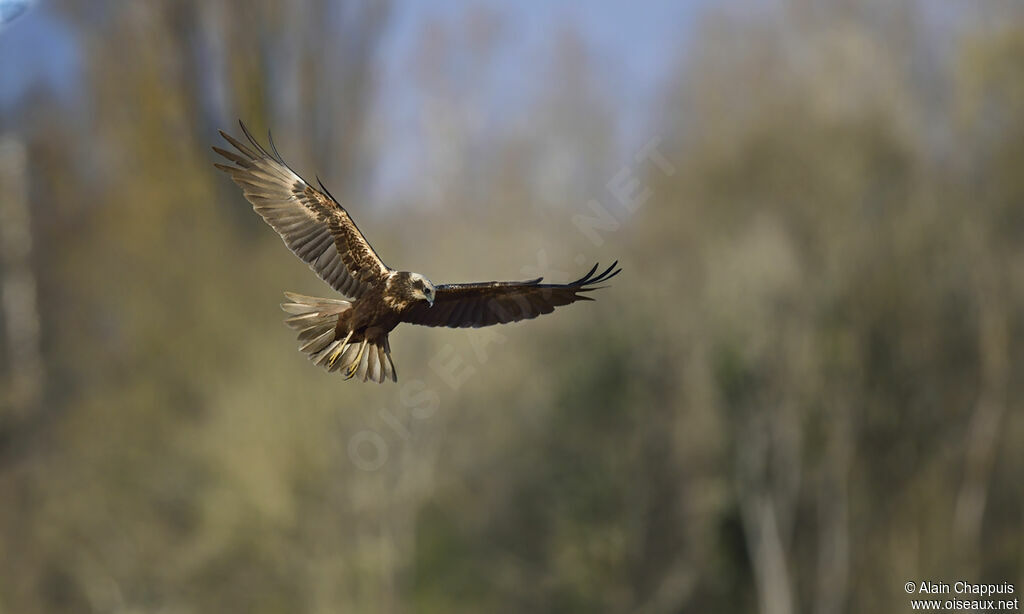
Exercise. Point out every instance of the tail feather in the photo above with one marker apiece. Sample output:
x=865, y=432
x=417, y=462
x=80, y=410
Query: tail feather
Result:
x=310, y=310
x=318, y=343
x=316, y=319
x=344, y=357
x=359, y=367
x=321, y=357
x=382, y=364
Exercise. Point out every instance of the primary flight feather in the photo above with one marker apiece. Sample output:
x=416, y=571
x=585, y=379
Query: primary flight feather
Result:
x=352, y=335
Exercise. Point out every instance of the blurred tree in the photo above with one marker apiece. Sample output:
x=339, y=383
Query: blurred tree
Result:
x=799, y=391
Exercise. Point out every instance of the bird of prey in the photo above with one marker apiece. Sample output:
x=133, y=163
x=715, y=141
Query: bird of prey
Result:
x=351, y=335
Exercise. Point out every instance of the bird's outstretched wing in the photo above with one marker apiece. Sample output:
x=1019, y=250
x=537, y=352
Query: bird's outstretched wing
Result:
x=312, y=223
x=499, y=302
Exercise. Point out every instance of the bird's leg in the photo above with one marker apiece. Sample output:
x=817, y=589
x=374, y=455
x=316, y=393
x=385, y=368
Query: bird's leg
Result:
x=338, y=352
x=355, y=361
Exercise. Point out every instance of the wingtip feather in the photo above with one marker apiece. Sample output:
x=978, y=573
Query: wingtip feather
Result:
x=273, y=148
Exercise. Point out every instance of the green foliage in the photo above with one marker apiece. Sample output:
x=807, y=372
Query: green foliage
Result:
x=807, y=370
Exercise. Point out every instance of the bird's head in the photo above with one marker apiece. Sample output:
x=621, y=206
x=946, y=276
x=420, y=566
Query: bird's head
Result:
x=421, y=289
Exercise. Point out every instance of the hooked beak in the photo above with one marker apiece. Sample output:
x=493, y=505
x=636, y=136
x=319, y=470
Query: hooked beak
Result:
x=430, y=300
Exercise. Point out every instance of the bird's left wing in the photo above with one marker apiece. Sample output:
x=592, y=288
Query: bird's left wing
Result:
x=499, y=302
x=311, y=222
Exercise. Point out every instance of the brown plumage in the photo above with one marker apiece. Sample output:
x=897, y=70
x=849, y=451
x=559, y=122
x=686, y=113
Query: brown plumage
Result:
x=352, y=335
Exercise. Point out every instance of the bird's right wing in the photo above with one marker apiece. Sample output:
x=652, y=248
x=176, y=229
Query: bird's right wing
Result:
x=499, y=302
x=310, y=221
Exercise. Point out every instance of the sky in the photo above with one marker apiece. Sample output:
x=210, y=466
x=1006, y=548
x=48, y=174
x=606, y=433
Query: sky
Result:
x=632, y=51
x=640, y=38
x=632, y=46
x=35, y=49
x=637, y=43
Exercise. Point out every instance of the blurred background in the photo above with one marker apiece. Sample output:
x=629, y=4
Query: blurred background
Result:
x=801, y=393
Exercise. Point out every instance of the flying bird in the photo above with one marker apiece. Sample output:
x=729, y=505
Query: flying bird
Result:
x=350, y=335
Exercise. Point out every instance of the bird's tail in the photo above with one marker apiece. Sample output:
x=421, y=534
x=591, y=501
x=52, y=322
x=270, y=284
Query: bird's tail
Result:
x=316, y=319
